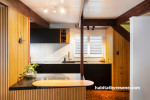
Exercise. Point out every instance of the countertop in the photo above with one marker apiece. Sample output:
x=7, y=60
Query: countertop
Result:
x=27, y=83
x=57, y=62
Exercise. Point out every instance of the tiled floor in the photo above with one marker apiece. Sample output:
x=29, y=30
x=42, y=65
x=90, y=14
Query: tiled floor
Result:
x=106, y=95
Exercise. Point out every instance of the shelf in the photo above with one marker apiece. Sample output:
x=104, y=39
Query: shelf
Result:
x=64, y=36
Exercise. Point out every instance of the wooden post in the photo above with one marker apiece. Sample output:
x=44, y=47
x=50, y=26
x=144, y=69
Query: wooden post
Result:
x=82, y=39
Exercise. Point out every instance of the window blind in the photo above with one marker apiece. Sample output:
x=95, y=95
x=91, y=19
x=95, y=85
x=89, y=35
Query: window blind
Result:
x=96, y=46
x=77, y=44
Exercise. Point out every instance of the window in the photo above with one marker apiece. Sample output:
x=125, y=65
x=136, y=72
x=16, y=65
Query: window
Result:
x=77, y=44
x=93, y=46
x=96, y=45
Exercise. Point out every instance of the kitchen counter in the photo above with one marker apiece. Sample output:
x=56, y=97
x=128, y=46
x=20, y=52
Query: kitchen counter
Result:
x=27, y=83
x=57, y=62
x=59, y=67
x=61, y=86
x=99, y=73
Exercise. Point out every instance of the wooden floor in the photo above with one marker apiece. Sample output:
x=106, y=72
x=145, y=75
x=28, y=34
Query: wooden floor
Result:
x=106, y=95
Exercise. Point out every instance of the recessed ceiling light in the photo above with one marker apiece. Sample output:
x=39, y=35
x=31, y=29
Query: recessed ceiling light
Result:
x=62, y=10
x=54, y=11
x=45, y=10
x=62, y=1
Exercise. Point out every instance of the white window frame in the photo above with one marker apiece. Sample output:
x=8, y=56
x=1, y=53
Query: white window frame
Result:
x=88, y=46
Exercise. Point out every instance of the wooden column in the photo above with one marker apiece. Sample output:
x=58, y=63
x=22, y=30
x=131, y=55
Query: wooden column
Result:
x=82, y=39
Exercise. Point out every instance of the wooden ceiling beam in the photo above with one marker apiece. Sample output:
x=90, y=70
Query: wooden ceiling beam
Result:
x=138, y=10
x=124, y=33
x=35, y=26
x=107, y=22
x=99, y=22
x=85, y=6
x=82, y=11
x=25, y=10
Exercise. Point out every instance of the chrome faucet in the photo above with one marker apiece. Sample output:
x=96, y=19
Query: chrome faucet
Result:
x=65, y=56
x=69, y=56
x=64, y=59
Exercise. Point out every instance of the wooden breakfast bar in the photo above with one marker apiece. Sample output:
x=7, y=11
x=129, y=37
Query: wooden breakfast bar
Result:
x=51, y=87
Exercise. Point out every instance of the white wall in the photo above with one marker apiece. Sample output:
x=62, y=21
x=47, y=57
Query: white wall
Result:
x=140, y=57
x=41, y=52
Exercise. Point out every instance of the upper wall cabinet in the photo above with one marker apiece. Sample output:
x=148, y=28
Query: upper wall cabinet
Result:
x=41, y=35
x=45, y=36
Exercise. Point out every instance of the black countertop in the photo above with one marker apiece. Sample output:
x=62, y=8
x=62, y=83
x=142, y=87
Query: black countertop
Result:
x=76, y=62
x=27, y=83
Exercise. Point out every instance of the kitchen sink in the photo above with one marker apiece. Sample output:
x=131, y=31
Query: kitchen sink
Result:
x=68, y=62
x=72, y=61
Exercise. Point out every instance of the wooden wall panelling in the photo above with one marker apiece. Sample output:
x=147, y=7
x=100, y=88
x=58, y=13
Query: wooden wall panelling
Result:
x=4, y=53
x=126, y=63
x=74, y=93
x=109, y=49
x=12, y=46
x=121, y=62
x=18, y=53
x=116, y=59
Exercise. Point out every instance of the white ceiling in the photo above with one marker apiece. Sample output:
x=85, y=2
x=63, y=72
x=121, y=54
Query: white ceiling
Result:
x=71, y=15
x=106, y=9
x=103, y=9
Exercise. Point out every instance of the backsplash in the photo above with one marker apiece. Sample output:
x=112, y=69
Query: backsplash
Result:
x=43, y=52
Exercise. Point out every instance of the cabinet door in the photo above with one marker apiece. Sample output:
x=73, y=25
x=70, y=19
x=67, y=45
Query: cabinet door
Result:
x=100, y=74
x=45, y=36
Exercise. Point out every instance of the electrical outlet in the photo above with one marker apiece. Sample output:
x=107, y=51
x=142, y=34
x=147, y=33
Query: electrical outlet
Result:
x=117, y=52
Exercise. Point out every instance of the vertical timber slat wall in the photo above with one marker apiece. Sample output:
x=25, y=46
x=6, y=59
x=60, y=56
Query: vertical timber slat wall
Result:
x=3, y=53
x=18, y=53
x=73, y=93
